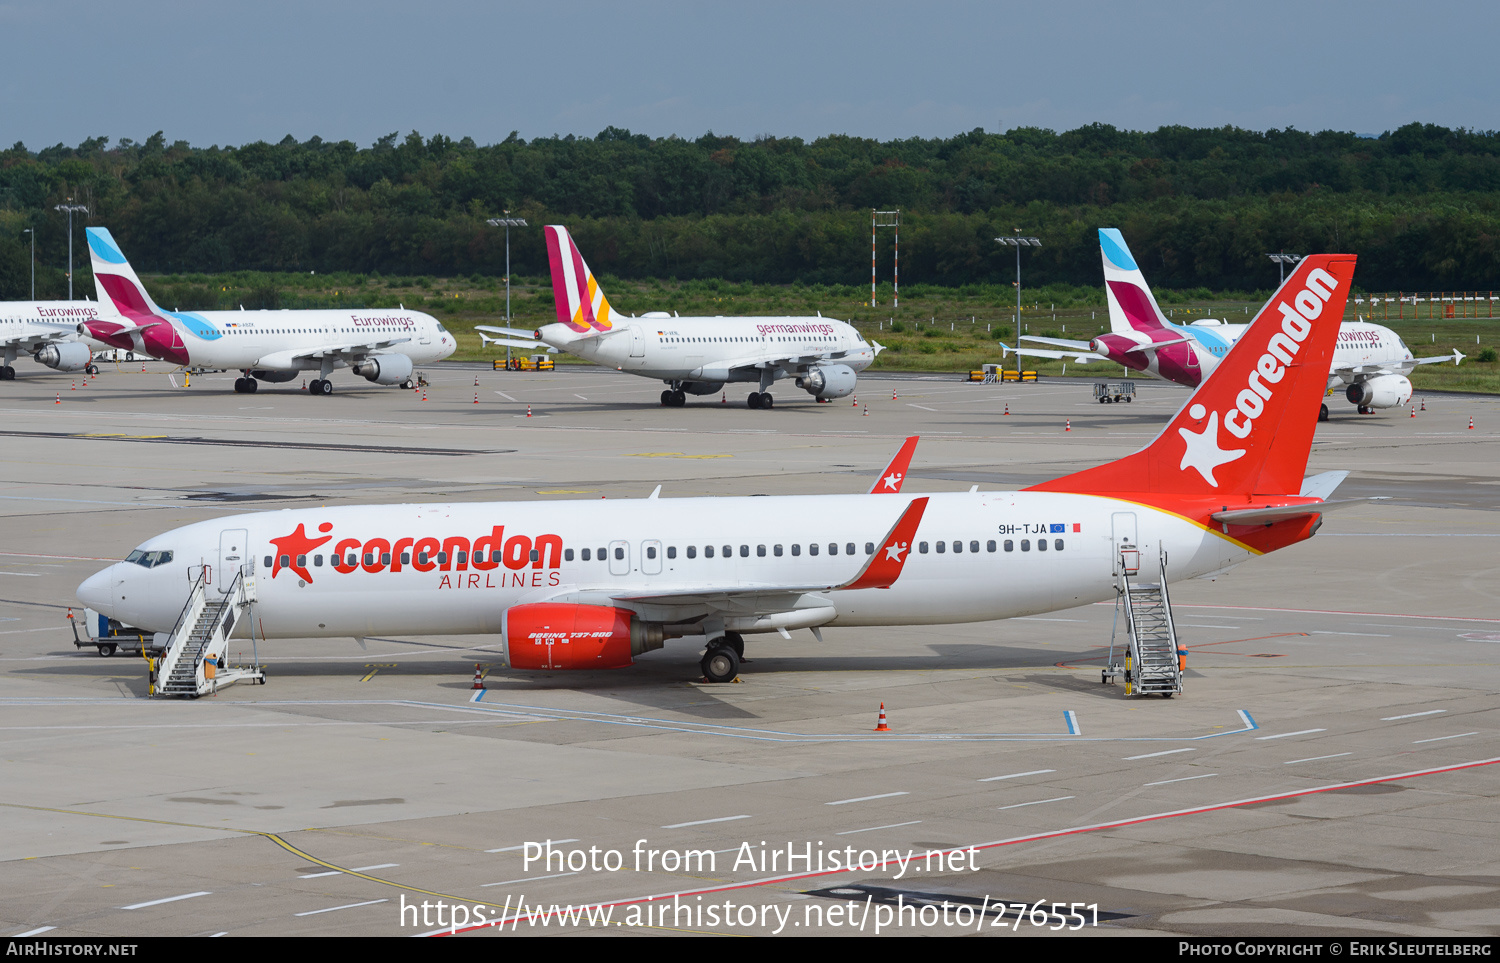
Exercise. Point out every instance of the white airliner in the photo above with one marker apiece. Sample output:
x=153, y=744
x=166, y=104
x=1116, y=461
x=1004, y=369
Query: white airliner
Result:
x=1370, y=361
x=382, y=345
x=48, y=331
x=695, y=356
x=593, y=584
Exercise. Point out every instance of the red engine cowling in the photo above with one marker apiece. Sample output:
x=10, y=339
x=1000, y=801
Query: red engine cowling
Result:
x=551, y=635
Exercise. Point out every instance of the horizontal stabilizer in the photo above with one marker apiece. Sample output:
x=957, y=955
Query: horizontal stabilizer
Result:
x=1276, y=513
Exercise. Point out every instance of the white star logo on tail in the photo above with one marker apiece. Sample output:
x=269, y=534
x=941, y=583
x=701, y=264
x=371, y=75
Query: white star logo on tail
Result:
x=893, y=481
x=1202, y=451
x=893, y=551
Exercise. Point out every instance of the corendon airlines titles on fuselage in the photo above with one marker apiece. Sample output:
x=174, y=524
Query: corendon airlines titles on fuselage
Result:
x=593, y=584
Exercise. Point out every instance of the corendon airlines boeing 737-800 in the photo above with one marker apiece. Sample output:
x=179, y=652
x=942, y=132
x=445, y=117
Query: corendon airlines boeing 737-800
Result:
x=381, y=345
x=593, y=584
x=695, y=356
x=1370, y=362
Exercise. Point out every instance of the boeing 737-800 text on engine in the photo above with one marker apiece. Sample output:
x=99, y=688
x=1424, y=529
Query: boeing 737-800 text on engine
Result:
x=696, y=356
x=381, y=345
x=593, y=584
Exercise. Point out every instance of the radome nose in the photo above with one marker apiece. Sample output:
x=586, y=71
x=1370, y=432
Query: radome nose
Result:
x=95, y=592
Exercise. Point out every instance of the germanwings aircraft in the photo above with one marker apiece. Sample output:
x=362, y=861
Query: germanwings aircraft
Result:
x=594, y=584
x=695, y=356
x=1370, y=362
x=381, y=345
x=48, y=331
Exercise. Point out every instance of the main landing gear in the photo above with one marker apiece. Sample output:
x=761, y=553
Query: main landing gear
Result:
x=721, y=663
x=245, y=386
x=673, y=398
x=320, y=386
x=759, y=399
x=7, y=373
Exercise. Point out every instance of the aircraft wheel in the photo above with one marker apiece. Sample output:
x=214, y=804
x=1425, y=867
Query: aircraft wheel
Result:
x=736, y=642
x=679, y=398
x=327, y=387
x=251, y=385
x=1322, y=412
x=720, y=664
x=765, y=399
x=754, y=400
x=666, y=398
x=7, y=373
x=91, y=369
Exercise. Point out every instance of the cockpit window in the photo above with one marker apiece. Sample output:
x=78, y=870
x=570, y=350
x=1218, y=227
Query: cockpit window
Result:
x=149, y=559
x=441, y=328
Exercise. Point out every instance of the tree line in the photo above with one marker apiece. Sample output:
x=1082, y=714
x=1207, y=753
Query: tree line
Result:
x=1420, y=205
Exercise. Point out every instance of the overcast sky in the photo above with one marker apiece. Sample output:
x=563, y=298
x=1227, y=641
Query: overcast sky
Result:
x=234, y=72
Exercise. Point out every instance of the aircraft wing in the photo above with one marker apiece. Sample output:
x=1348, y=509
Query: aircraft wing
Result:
x=352, y=350
x=1058, y=342
x=1082, y=357
x=1359, y=372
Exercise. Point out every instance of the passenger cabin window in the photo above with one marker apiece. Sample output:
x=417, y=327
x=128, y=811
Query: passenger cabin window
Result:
x=1025, y=544
x=585, y=555
x=1057, y=543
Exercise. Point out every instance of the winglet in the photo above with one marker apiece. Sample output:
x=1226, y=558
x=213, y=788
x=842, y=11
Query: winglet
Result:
x=890, y=480
x=884, y=567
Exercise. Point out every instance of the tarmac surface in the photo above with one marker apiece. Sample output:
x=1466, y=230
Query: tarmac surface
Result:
x=1329, y=770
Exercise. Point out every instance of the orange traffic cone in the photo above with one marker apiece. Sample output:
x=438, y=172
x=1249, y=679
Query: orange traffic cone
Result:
x=855, y=402
x=867, y=411
x=478, y=678
x=528, y=411
x=1068, y=425
x=59, y=401
x=304, y=384
x=424, y=394
x=893, y=394
x=1414, y=412
x=1424, y=404
x=75, y=384
x=1007, y=409
x=1471, y=422
x=724, y=398
x=476, y=397
x=476, y=381
x=882, y=727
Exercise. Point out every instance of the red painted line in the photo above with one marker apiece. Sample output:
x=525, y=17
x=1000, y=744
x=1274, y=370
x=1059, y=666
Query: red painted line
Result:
x=1013, y=841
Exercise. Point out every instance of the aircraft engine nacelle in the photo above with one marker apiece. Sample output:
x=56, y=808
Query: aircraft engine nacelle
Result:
x=71, y=356
x=1117, y=349
x=829, y=381
x=271, y=376
x=559, y=635
x=385, y=369
x=703, y=387
x=1386, y=391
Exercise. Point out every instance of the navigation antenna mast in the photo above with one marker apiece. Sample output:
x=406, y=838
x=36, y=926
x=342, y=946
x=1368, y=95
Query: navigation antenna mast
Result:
x=892, y=219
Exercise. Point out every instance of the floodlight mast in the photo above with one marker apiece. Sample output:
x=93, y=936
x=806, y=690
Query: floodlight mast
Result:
x=1018, y=242
x=69, y=208
x=507, y=223
x=1283, y=259
x=891, y=219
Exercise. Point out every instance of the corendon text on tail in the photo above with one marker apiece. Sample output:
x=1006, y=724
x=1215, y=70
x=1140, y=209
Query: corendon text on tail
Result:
x=595, y=584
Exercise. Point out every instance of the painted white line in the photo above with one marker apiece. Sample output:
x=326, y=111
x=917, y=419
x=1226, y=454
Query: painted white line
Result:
x=1029, y=618
x=1413, y=715
x=1153, y=755
x=579, y=396
x=36, y=932
x=1441, y=738
x=705, y=822
x=1357, y=635
x=1037, y=803
x=1293, y=762
x=516, y=849
x=923, y=407
x=505, y=396
x=169, y=899
x=1288, y=735
x=1018, y=775
x=840, y=802
x=357, y=869
x=368, y=902
x=23, y=574
x=871, y=829
x=1206, y=775
x=527, y=879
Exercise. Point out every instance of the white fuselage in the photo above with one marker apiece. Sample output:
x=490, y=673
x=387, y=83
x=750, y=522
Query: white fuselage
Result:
x=1360, y=344
x=990, y=565
x=715, y=350
x=23, y=324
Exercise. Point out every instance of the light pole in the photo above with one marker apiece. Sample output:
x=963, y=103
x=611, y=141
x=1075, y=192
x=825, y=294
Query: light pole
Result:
x=1018, y=242
x=33, y=260
x=70, y=208
x=507, y=223
x=1283, y=259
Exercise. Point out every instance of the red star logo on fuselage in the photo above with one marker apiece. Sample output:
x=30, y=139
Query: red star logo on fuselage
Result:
x=295, y=545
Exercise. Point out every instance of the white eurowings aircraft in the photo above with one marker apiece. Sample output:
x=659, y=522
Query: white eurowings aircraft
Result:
x=381, y=345
x=593, y=584
x=1370, y=362
x=48, y=331
x=692, y=355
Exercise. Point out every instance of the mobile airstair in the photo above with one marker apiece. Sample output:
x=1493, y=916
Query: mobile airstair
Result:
x=1152, y=665
x=202, y=634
